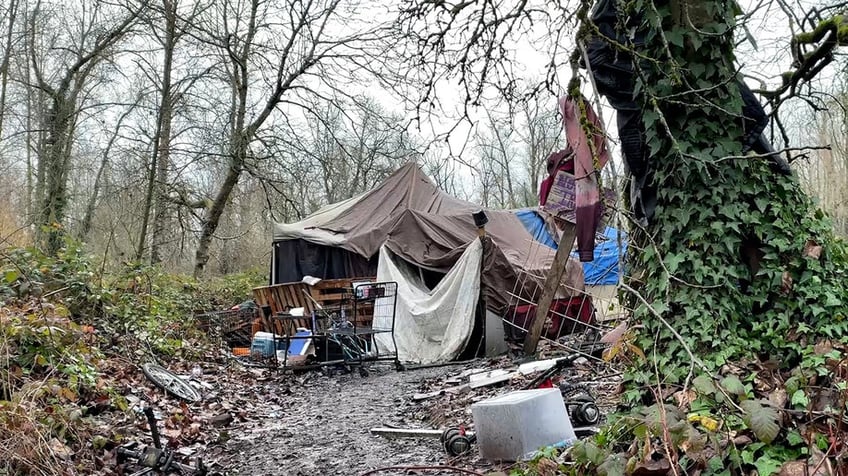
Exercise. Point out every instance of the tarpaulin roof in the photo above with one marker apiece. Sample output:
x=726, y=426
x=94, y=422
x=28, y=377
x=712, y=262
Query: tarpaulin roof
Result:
x=610, y=246
x=429, y=228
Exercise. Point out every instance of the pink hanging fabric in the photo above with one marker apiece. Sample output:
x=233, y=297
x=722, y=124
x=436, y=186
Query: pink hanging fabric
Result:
x=589, y=207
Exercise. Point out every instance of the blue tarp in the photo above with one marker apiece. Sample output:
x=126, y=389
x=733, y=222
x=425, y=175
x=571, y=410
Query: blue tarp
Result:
x=604, y=268
x=535, y=225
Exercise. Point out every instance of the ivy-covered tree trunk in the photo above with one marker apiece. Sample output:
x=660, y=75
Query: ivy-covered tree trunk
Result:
x=734, y=257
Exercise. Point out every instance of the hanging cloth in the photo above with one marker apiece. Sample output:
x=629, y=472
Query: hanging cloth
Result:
x=590, y=156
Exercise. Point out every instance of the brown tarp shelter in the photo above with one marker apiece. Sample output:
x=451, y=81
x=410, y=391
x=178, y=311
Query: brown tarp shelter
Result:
x=422, y=225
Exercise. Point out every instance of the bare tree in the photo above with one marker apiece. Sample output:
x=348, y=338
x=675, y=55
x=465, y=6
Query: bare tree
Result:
x=10, y=15
x=308, y=43
x=498, y=154
x=541, y=136
x=173, y=28
x=63, y=89
x=91, y=206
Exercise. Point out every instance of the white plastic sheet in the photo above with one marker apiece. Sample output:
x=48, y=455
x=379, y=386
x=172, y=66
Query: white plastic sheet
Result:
x=430, y=325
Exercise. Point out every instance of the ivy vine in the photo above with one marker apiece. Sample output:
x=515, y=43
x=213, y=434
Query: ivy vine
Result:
x=738, y=270
x=715, y=206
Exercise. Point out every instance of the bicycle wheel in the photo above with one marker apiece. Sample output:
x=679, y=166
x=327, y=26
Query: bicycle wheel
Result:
x=170, y=383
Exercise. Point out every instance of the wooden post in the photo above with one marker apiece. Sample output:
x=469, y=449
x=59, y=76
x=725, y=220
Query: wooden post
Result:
x=480, y=220
x=552, y=282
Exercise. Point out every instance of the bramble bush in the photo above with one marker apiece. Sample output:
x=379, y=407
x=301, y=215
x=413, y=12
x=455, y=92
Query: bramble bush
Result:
x=64, y=322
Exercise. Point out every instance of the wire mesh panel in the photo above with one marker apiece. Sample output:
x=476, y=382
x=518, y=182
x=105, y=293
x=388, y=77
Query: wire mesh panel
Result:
x=232, y=329
x=579, y=316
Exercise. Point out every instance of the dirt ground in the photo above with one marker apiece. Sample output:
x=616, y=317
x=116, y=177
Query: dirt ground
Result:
x=318, y=424
x=321, y=426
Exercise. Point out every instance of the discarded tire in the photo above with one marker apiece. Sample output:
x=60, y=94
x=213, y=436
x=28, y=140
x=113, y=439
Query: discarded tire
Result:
x=587, y=414
x=448, y=434
x=170, y=383
x=458, y=445
x=455, y=442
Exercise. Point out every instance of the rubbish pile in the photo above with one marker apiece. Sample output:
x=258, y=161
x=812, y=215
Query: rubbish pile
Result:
x=505, y=410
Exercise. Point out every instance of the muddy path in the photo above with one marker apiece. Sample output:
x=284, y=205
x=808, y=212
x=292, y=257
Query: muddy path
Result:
x=317, y=424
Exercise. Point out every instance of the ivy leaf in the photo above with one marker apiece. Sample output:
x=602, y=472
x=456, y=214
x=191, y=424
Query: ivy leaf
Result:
x=799, y=398
x=578, y=451
x=762, y=420
x=615, y=465
x=672, y=262
x=794, y=438
x=697, y=69
x=704, y=385
x=733, y=385
x=660, y=307
x=655, y=144
x=767, y=465
x=762, y=203
x=696, y=42
x=831, y=300
x=675, y=37
x=649, y=116
x=594, y=454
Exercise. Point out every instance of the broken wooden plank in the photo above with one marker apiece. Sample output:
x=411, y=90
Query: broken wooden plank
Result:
x=485, y=382
x=426, y=396
x=552, y=284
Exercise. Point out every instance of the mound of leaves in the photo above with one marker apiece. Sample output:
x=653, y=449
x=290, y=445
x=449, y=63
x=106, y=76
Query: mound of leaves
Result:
x=72, y=339
x=50, y=384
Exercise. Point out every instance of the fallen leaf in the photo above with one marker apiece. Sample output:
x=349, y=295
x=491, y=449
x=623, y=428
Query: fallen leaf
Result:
x=60, y=449
x=778, y=398
x=659, y=467
x=683, y=399
x=786, y=283
x=172, y=433
x=615, y=335
x=823, y=347
x=546, y=467
x=709, y=424
x=812, y=250
x=223, y=419
x=793, y=468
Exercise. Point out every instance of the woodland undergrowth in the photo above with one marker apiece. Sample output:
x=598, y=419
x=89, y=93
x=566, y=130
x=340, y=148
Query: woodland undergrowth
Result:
x=72, y=336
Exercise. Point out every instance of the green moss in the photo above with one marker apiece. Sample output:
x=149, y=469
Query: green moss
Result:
x=836, y=22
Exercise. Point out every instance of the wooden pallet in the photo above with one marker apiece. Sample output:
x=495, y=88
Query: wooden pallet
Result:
x=336, y=294
x=330, y=294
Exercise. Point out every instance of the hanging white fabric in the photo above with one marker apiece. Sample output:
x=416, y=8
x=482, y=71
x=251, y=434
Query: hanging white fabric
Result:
x=430, y=325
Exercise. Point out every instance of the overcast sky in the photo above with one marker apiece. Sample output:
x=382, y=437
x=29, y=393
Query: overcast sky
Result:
x=761, y=63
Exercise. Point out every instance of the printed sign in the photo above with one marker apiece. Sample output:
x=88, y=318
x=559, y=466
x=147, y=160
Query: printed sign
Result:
x=562, y=197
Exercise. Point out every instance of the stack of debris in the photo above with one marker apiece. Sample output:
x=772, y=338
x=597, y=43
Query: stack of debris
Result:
x=588, y=389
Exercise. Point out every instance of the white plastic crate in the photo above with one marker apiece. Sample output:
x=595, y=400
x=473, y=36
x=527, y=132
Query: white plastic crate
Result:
x=513, y=426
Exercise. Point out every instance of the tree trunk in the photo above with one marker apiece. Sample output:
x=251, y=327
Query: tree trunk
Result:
x=164, y=139
x=213, y=215
x=141, y=246
x=4, y=65
x=30, y=187
x=56, y=161
x=728, y=259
